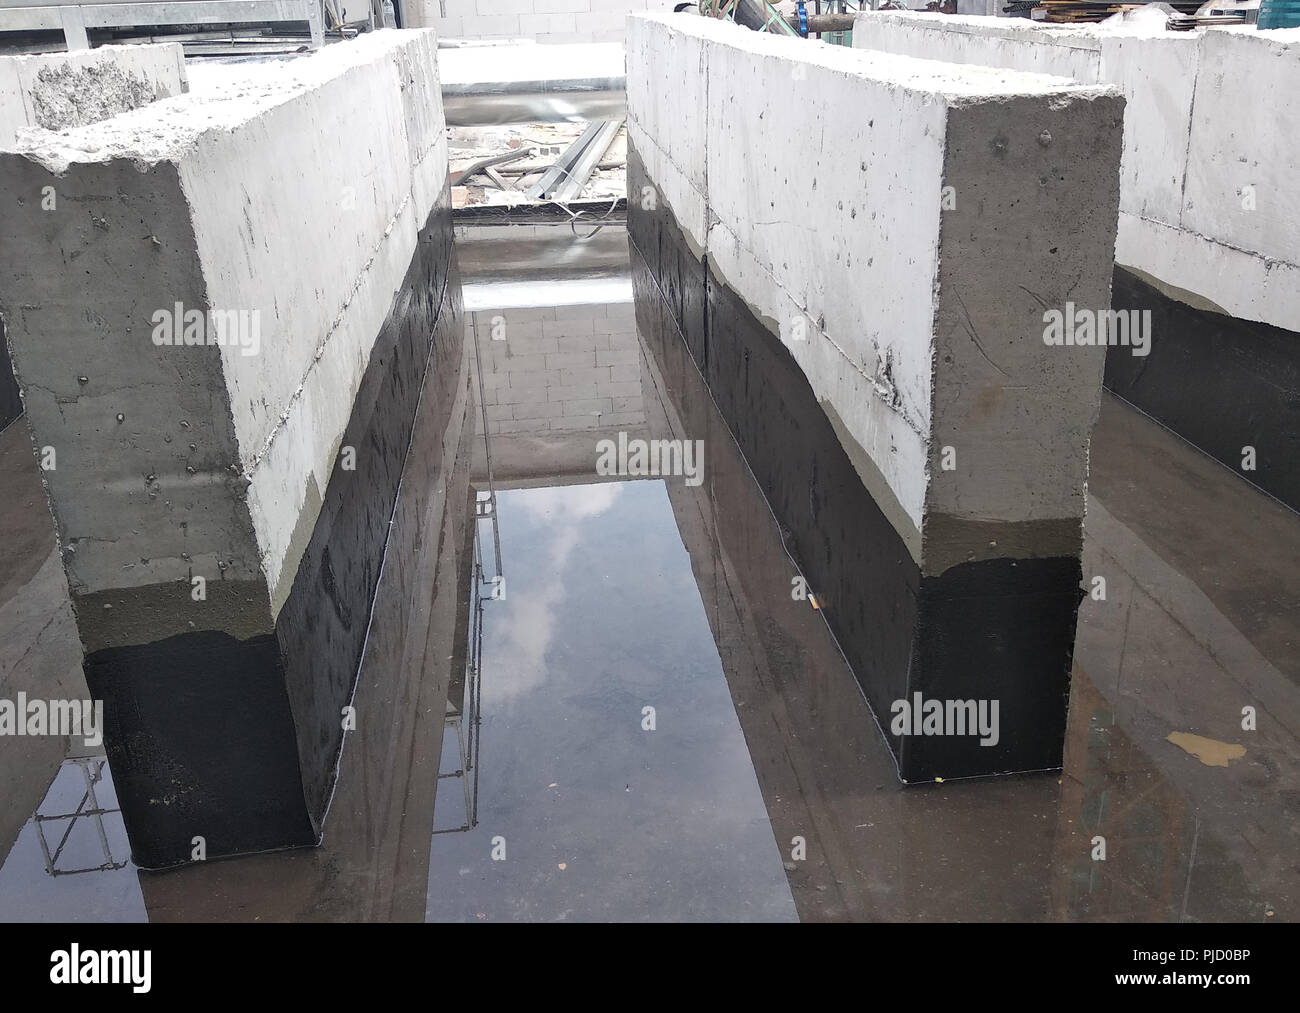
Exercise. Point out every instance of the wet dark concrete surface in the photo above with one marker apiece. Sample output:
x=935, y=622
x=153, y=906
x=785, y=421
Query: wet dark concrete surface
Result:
x=765, y=790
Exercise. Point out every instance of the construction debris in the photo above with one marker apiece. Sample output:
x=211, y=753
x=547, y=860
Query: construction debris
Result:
x=520, y=155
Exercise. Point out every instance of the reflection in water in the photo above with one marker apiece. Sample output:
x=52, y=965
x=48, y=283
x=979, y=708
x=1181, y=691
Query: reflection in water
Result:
x=94, y=770
x=464, y=725
x=593, y=805
x=69, y=862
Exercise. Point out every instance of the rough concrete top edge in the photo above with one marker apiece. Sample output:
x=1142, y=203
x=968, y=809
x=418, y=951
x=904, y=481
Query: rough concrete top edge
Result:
x=1083, y=36
x=166, y=130
x=953, y=83
x=1274, y=38
x=78, y=56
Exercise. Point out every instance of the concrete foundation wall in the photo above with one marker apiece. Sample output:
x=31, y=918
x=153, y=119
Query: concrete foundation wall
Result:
x=1240, y=141
x=846, y=250
x=319, y=283
x=829, y=242
x=1205, y=212
x=60, y=90
x=322, y=282
x=266, y=464
x=11, y=400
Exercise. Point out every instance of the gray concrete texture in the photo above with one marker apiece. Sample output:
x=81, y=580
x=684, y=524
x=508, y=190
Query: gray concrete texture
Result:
x=54, y=91
x=174, y=461
x=903, y=225
x=1205, y=208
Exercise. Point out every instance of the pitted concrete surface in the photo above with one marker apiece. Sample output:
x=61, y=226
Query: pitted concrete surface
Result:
x=58, y=91
x=69, y=97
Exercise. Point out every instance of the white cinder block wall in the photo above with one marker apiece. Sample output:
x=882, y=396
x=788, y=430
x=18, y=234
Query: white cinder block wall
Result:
x=1207, y=178
x=540, y=20
x=561, y=368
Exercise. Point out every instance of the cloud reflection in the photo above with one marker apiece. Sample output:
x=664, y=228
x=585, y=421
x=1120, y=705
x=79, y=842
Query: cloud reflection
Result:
x=553, y=520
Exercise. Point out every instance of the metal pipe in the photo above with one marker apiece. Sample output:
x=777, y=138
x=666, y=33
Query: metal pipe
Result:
x=825, y=23
x=555, y=176
x=484, y=163
x=493, y=103
x=593, y=153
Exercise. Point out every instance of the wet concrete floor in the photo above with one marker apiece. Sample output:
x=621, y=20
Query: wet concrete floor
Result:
x=640, y=723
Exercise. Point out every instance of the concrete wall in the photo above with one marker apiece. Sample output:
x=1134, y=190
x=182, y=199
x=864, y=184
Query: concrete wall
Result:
x=542, y=20
x=11, y=400
x=810, y=226
x=42, y=656
x=222, y=461
x=39, y=652
x=320, y=283
x=59, y=90
x=1205, y=208
x=830, y=239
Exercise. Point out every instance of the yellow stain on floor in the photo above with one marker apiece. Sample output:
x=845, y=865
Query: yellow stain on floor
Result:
x=1210, y=752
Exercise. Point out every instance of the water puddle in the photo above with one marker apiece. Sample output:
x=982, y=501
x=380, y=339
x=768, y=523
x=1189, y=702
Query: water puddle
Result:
x=613, y=781
x=71, y=861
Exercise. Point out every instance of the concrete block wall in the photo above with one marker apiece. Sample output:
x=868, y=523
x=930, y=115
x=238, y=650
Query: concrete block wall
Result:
x=541, y=20
x=858, y=210
x=221, y=461
x=1205, y=206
